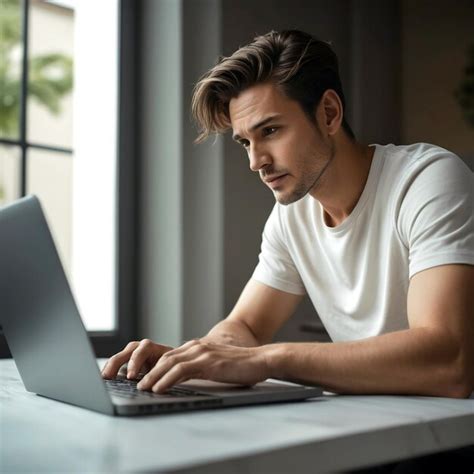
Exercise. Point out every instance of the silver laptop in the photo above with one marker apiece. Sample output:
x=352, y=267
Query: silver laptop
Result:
x=50, y=346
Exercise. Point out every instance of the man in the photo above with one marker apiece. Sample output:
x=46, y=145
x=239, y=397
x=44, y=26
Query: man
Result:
x=380, y=237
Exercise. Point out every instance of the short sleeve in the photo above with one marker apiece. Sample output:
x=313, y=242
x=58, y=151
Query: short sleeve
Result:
x=436, y=219
x=276, y=267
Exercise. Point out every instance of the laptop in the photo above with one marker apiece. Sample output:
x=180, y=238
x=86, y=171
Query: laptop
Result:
x=49, y=342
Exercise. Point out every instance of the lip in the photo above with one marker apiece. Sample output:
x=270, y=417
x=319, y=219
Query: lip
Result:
x=276, y=180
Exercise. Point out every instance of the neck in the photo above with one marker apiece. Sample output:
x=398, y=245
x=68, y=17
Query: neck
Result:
x=344, y=180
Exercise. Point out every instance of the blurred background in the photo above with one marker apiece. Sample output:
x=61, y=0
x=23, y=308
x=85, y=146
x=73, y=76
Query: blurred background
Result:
x=157, y=235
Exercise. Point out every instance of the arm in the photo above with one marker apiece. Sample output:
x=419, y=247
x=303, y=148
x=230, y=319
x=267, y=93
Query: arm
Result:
x=257, y=315
x=261, y=309
x=435, y=356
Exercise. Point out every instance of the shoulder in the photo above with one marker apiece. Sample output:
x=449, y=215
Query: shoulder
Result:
x=434, y=197
x=409, y=161
x=414, y=172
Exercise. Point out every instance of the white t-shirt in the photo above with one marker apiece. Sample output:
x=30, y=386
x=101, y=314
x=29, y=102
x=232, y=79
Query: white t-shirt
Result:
x=415, y=212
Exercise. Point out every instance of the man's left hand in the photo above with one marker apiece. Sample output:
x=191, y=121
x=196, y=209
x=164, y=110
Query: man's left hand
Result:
x=200, y=359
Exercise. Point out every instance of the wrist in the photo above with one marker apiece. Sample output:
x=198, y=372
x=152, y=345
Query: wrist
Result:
x=273, y=356
x=232, y=333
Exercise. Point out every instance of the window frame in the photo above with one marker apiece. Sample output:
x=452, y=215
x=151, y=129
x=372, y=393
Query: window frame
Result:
x=105, y=343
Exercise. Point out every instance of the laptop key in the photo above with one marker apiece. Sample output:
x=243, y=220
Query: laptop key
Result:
x=128, y=389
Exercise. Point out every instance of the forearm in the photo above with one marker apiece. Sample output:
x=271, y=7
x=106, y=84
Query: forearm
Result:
x=416, y=361
x=232, y=332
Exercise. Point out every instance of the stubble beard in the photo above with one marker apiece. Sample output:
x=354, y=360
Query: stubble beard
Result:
x=311, y=183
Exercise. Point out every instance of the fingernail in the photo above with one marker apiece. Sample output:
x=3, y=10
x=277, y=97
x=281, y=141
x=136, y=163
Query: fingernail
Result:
x=131, y=374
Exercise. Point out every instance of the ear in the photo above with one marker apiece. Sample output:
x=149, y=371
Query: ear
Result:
x=331, y=112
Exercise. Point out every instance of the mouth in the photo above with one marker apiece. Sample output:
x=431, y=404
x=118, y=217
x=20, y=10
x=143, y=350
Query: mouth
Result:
x=274, y=181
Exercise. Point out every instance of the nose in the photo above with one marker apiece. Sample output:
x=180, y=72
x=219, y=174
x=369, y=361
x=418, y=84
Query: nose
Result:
x=259, y=157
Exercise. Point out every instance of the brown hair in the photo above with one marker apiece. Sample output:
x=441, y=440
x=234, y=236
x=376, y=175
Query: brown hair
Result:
x=303, y=66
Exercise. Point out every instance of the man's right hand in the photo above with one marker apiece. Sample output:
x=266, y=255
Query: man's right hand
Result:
x=140, y=355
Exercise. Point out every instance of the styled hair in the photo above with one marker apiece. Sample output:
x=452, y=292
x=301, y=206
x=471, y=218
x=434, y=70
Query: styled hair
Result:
x=302, y=66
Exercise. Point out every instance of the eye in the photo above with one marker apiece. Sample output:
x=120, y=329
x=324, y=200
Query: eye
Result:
x=244, y=143
x=269, y=130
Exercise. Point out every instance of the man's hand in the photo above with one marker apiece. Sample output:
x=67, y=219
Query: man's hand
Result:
x=199, y=359
x=141, y=357
x=231, y=352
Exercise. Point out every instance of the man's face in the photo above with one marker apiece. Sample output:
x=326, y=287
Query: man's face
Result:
x=282, y=144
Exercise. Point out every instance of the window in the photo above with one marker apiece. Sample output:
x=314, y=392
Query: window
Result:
x=66, y=81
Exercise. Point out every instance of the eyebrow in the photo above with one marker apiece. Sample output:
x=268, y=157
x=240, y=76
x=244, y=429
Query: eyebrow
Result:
x=258, y=125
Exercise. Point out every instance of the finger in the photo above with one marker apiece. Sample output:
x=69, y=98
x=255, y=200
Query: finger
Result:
x=165, y=364
x=146, y=352
x=179, y=373
x=113, y=365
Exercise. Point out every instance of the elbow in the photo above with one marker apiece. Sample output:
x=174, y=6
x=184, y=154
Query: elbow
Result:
x=457, y=370
x=460, y=393
x=461, y=383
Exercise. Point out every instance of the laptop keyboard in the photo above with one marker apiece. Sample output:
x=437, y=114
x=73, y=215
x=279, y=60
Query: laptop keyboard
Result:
x=128, y=389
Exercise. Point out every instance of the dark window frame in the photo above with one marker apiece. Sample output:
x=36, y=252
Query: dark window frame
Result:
x=105, y=343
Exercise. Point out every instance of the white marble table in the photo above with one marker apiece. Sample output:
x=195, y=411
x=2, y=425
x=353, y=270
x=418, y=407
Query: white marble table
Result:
x=327, y=434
